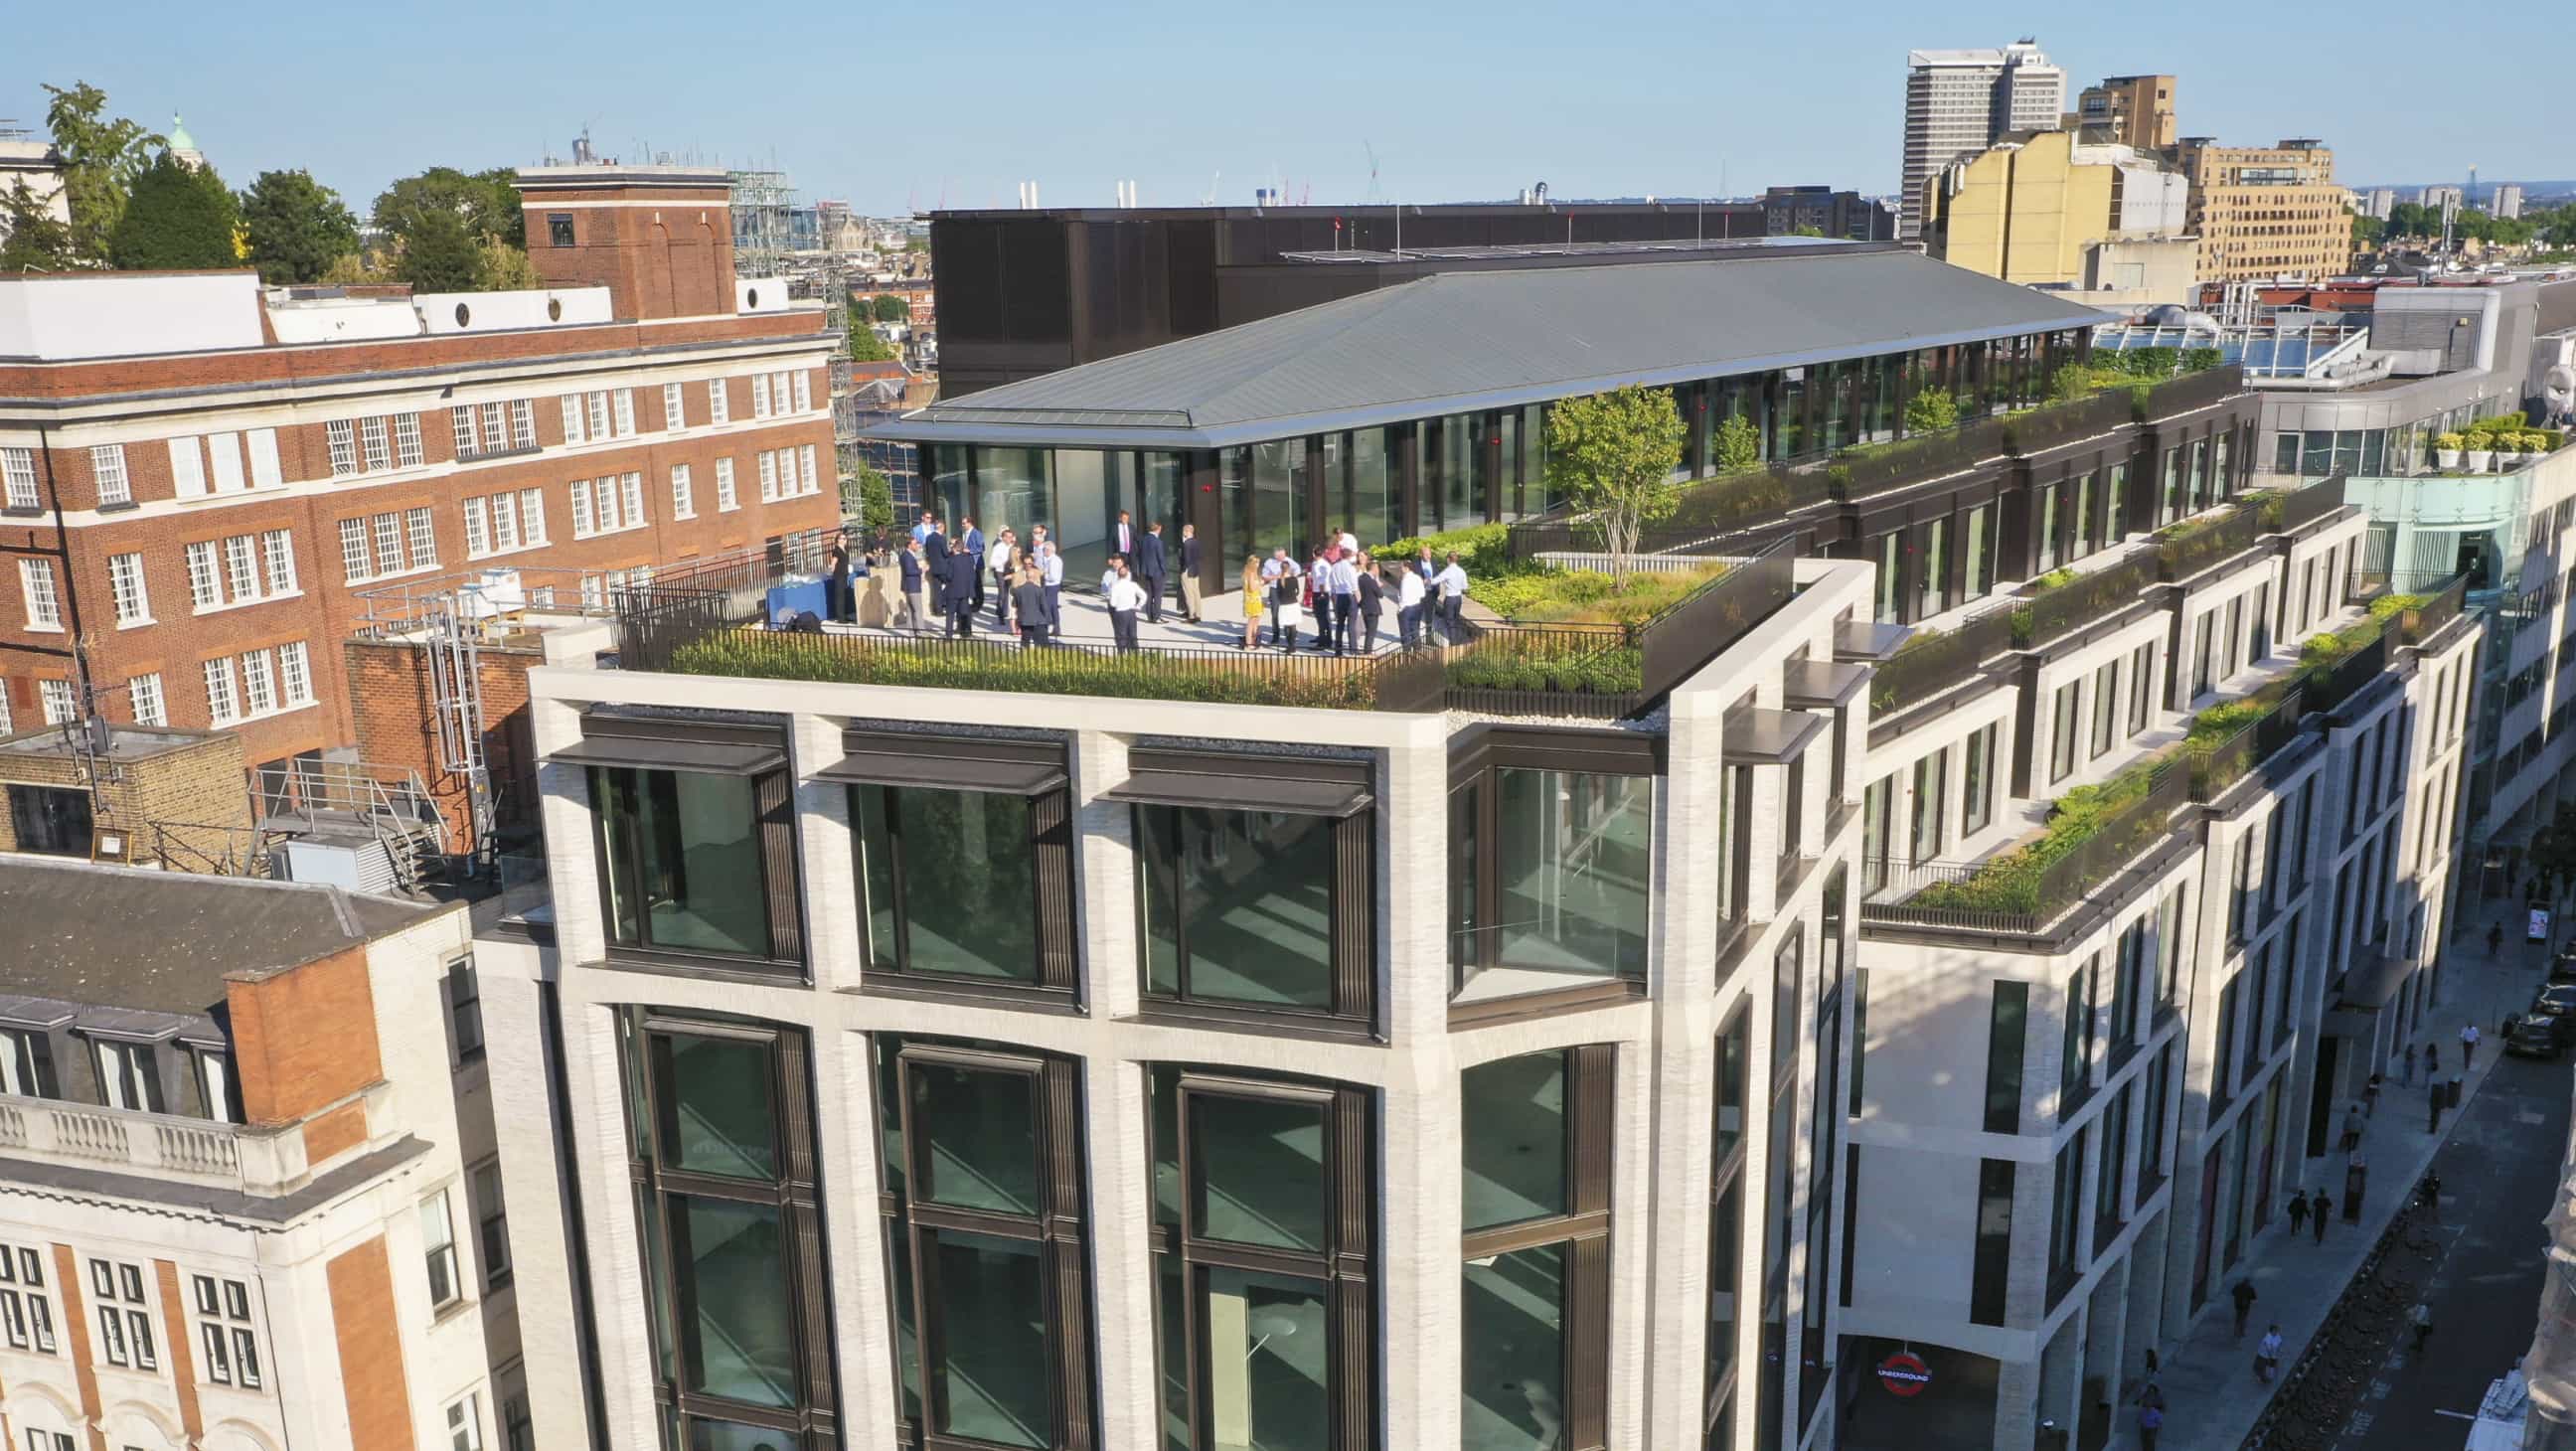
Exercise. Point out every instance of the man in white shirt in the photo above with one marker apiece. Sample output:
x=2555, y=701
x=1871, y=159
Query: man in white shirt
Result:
x=1344, y=579
x=1452, y=583
x=1350, y=543
x=998, y=560
x=1126, y=597
x=1279, y=574
x=1051, y=574
x=1409, y=590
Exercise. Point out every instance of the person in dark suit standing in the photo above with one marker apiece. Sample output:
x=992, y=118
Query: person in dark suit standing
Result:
x=934, y=562
x=915, y=586
x=1371, y=592
x=838, y=602
x=964, y=573
x=1190, y=572
x=971, y=540
x=1151, y=567
x=1125, y=543
x=1029, y=599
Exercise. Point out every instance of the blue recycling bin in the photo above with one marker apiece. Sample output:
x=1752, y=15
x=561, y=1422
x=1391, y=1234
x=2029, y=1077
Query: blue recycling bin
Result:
x=795, y=599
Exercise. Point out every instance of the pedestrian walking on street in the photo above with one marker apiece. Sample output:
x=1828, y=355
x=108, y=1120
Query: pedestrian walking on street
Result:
x=2321, y=1209
x=2468, y=1046
x=2433, y=1060
x=2433, y=1194
x=2436, y=1095
x=2244, y=1297
x=2298, y=1214
x=2267, y=1355
x=2370, y=1097
x=2351, y=1128
x=2151, y=1419
x=2495, y=940
x=2410, y=1065
x=2421, y=1318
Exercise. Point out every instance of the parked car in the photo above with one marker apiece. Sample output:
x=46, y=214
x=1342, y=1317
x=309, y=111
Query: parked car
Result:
x=2562, y=968
x=2535, y=1037
x=2555, y=1004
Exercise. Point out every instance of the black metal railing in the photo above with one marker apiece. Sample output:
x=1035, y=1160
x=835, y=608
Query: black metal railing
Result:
x=2348, y=677
x=2084, y=599
x=2052, y=424
x=1873, y=468
x=1734, y=500
x=2182, y=555
x=2191, y=392
x=1930, y=664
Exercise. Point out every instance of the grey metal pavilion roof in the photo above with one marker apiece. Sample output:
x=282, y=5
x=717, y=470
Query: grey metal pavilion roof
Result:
x=1459, y=341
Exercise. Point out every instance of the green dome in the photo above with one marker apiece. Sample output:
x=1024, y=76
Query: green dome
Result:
x=180, y=140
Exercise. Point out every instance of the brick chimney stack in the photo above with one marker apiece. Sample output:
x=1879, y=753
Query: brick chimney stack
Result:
x=659, y=238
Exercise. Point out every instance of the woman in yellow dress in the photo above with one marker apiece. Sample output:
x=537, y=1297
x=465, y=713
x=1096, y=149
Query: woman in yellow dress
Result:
x=1252, y=603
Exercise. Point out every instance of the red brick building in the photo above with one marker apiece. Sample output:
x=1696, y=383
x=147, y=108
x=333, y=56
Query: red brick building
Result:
x=199, y=478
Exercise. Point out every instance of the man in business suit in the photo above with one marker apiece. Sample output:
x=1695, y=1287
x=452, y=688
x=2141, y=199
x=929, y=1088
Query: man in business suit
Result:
x=965, y=572
x=1125, y=543
x=971, y=540
x=1151, y=567
x=1028, y=597
x=915, y=586
x=934, y=562
x=1190, y=572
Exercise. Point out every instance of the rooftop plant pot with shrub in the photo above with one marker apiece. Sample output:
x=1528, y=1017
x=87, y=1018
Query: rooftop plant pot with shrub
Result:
x=2481, y=458
x=2446, y=451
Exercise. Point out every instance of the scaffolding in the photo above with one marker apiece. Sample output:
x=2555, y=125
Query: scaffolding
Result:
x=761, y=242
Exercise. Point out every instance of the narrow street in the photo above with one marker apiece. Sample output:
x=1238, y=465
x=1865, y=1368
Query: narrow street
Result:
x=2500, y=1171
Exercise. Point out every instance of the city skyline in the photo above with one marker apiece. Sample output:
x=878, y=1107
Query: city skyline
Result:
x=882, y=125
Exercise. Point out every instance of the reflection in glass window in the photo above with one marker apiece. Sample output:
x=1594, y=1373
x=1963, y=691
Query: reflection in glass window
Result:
x=683, y=861
x=1514, y=1320
x=1537, y=1214
x=1513, y=1113
x=737, y=1342
x=1559, y=888
x=1265, y=1286
x=976, y=1225
x=721, y=1118
x=948, y=882
x=1237, y=905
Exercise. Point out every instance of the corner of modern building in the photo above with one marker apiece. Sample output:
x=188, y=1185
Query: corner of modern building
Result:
x=938, y=1044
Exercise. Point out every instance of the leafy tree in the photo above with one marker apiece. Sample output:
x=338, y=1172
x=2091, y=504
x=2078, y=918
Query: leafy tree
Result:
x=101, y=159
x=1738, y=444
x=1613, y=454
x=889, y=307
x=298, y=227
x=866, y=346
x=485, y=201
x=500, y=267
x=358, y=269
x=35, y=242
x=868, y=496
x=439, y=255
x=2366, y=231
x=177, y=216
x=1931, y=411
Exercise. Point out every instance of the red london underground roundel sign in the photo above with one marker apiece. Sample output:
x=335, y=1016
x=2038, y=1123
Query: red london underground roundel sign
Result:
x=1904, y=1374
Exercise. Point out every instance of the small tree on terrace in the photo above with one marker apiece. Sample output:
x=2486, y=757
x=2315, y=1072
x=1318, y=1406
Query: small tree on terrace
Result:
x=1613, y=454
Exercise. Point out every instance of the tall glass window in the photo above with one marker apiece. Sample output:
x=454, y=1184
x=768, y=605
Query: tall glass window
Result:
x=1991, y=1269
x=2075, y=1062
x=2007, y=1038
x=983, y=1206
x=1368, y=509
x=1931, y=778
x=1536, y=1201
x=947, y=882
x=722, y=1154
x=1977, y=576
x=1275, y=516
x=1559, y=888
x=1977, y=804
x=2048, y=527
x=1264, y=1194
x=683, y=861
x=1236, y=906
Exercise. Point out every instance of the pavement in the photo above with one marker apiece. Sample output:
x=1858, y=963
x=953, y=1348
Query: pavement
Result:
x=2212, y=1399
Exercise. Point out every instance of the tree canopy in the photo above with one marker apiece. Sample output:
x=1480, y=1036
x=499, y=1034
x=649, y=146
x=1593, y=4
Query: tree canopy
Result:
x=101, y=158
x=890, y=307
x=865, y=345
x=868, y=496
x=483, y=201
x=177, y=216
x=35, y=241
x=439, y=254
x=1613, y=455
x=297, y=226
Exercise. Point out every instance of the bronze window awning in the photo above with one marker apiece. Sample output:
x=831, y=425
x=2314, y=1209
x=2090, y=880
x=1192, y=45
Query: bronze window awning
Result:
x=1759, y=737
x=1823, y=684
x=668, y=753
x=1221, y=781
x=948, y=763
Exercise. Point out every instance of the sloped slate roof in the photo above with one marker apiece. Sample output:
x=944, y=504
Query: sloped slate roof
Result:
x=1456, y=341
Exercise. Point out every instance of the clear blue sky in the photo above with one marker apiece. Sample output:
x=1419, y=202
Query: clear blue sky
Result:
x=961, y=100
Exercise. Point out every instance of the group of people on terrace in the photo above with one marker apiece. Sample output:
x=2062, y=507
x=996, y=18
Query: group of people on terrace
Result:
x=933, y=579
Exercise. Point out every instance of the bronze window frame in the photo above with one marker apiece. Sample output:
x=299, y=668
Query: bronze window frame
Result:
x=1054, y=973
x=753, y=751
x=1346, y=1266
x=1591, y=1091
x=1058, y=1229
x=794, y=1192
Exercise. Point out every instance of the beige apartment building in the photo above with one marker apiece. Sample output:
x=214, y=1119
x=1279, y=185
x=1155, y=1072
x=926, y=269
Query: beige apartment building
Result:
x=2266, y=212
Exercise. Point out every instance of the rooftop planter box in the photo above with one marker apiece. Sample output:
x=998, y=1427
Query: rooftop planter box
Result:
x=2039, y=429
x=1930, y=663
x=2093, y=833
x=1407, y=680
x=2226, y=742
x=2076, y=600
x=2187, y=549
x=2424, y=616
x=2189, y=393
x=2295, y=509
x=1876, y=467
